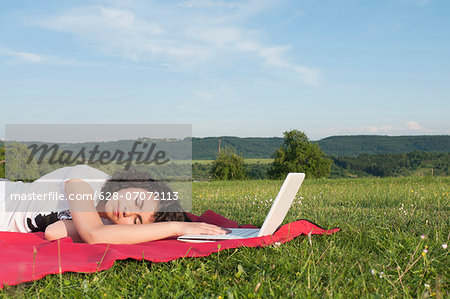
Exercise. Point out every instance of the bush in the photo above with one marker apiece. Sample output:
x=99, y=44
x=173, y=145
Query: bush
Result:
x=298, y=154
x=228, y=166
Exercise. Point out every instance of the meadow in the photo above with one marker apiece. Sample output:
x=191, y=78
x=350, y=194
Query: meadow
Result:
x=392, y=243
x=248, y=161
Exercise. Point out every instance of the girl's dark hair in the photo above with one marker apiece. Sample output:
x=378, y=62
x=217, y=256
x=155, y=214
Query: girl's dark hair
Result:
x=168, y=210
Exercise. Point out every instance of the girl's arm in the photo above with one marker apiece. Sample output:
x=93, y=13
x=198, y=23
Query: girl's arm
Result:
x=61, y=229
x=92, y=230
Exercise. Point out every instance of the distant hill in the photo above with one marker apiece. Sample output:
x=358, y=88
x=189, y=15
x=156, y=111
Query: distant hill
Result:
x=340, y=146
x=368, y=144
x=249, y=147
x=206, y=148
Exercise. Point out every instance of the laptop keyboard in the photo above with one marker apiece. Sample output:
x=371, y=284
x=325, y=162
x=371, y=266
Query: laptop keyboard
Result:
x=236, y=233
x=244, y=232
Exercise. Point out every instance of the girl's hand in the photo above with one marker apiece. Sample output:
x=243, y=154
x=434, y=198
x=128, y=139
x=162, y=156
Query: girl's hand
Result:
x=200, y=228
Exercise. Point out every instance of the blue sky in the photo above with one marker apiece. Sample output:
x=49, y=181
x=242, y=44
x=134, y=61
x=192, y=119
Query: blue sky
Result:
x=237, y=68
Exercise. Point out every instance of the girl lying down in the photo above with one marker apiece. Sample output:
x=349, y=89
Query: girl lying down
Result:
x=136, y=218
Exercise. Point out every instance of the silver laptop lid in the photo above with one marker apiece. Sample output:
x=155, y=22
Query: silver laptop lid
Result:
x=282, y=203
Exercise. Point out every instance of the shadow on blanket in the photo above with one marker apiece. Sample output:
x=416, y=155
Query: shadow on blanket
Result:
x=28, y=257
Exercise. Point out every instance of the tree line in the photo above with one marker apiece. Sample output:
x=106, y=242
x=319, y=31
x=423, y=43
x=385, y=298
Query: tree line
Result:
x=296, y=154
x=259, y=147
x=378, y=165
x=299, y=154
x=384, y=165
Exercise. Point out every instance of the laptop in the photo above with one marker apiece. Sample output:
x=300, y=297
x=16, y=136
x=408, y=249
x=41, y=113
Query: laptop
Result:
x=276, y=215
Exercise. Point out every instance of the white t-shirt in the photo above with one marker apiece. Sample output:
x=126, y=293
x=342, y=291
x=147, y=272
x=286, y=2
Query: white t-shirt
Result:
x=20, y=205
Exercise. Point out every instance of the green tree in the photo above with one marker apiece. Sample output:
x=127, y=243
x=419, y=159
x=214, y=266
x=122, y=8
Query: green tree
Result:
x=16, y=166
x=2, y=161
x=228, y=166
x=298, y=154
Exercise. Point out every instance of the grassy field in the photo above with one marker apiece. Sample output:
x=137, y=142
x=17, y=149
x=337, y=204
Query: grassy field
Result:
x=248, y=161
x=392, y=244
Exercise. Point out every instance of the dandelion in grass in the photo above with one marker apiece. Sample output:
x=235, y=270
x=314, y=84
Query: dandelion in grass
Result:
x=424, y=252
x=444, y=246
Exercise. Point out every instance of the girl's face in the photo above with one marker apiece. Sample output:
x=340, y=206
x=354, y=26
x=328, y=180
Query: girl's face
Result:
x=133, y=206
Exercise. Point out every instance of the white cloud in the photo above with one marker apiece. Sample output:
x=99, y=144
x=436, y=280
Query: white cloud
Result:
x=183, y=36
x=30, y=57
x=218, y=98
x=237, y=40
x=119, y=32
x=274, y=57
x=379, y=129
x=409, y=127
x=220, y=94
x=414, y=126
x=22, y=57
x=104, y=19
x=217, y=36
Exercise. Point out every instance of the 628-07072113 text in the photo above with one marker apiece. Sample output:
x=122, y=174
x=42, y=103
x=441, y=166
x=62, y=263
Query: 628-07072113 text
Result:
x=139, y=195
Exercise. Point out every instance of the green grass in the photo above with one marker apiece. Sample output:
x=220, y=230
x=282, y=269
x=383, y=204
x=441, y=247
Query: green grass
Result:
x=378, y=253
x=247, y=161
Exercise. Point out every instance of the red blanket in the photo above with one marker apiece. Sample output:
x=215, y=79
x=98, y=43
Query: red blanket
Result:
x=27, y=257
